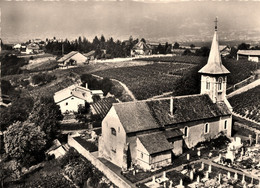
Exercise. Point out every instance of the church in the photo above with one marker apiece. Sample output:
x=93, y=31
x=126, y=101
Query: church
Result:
x=150, y=133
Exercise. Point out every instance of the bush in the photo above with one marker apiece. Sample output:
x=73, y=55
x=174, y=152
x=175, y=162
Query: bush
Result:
x=39, y=79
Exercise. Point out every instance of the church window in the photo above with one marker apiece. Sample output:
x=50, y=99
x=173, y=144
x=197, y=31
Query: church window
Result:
x=207, y=83
x=220, y=80
x=206, y=128
x=113, y=131
x=225, y=124
x=67, y=104
x=142, y=155
x=186, y=131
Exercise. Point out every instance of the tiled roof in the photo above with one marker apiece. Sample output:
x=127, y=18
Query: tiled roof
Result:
x=67, y=56
x=249, y=52
x=135, y=116
x=155, y=142
x=186, y=109
x=141, y=46
x=152, y=114
x=172, y=133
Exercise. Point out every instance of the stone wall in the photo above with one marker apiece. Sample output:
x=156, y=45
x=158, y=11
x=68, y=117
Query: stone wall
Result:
x=112, y=176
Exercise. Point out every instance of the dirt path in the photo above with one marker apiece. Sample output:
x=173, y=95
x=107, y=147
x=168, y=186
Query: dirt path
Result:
x=245, y=88
x=128, y=91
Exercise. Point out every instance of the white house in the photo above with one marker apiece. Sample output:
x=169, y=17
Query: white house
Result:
x=253, y=55
x=73, y=58
x=70, y=98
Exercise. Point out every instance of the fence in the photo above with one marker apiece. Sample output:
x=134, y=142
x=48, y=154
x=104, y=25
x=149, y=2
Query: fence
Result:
x=112, y=176
x=242, y=83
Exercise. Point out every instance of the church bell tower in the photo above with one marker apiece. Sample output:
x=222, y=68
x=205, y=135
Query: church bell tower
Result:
x=214, y=74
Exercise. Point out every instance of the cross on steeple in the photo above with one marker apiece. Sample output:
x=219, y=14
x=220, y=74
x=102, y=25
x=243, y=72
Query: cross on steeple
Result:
x=216, y=24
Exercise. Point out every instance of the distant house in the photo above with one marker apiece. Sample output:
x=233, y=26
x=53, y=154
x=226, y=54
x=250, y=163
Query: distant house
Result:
x=90, y=55
x=17, y=47
x=252, y=55
x=32, y=48
x=224, y=50
x=141, y=48
x=73, y=58
x=70, y=98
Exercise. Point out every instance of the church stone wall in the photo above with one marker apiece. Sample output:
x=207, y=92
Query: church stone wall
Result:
x=112, y=147
x=197, y=134
x=177, y=147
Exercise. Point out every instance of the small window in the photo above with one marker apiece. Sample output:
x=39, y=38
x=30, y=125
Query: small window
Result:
x=225, y=124
x=220, y=80
x=66, y=104
x=186, y=131
x=113, y=131
x=72, y=98
x=142, y=155
x=207, y=84
x=114, y=150
x=206, y=128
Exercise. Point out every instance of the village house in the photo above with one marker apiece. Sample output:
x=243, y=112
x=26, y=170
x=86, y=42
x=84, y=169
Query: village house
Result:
x=224, y=50
x=141, y=48
x=73, y=58
x=252, y=55
x=150, y=133
x=70, y=98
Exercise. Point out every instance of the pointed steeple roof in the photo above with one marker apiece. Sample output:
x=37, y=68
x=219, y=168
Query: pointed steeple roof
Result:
x=214, y=64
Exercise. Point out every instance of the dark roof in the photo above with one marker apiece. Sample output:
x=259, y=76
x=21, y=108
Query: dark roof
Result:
x=172, y=133
x=187, y=108
x=155, y=142
x=135, y=116
x=151, y=114
x=141, y=46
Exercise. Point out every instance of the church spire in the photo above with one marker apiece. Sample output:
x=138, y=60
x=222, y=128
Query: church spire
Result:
x=214, y=64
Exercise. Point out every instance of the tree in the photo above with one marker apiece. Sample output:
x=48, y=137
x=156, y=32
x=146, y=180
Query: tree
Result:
x=176, y=45
x=46, y=114
x=83, y=111
x=203, y=51
x=24, y=142
x=192, y=46
x=243, y=46
x=143, y=40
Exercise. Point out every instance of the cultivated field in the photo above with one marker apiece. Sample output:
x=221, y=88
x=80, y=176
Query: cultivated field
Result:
x=148, y=80
x=247, y=103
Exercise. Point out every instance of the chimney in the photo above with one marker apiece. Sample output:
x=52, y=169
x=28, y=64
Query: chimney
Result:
x=171, y=106
x=86, y=85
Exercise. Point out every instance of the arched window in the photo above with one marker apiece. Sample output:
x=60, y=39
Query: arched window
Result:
x=225, y=124
x=206, y=128
x=220, y=80
x=207, y=83
x=113, y=131
x=186, y=131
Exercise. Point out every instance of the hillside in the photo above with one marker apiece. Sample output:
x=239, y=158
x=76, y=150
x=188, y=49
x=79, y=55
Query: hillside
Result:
x=247, y=104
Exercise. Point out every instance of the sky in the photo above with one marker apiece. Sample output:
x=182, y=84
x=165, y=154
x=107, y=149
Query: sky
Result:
x=153, y=20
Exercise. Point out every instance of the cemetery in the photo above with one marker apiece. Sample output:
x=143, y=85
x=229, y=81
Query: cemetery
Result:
x=238, y=165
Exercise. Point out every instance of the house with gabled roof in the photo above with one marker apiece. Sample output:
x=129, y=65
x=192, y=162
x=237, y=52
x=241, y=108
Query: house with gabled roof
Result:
x=70, y=98
x=252, y=55
x=73, y=58
x=141, y=48
x=150, y=133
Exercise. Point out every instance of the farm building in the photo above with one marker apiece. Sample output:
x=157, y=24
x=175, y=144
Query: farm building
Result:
x=224, y=50
x=252, y=55
x=150, y=133
x=90, y=55
x=73, y=58
x=70, y=98
x=141, y=48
